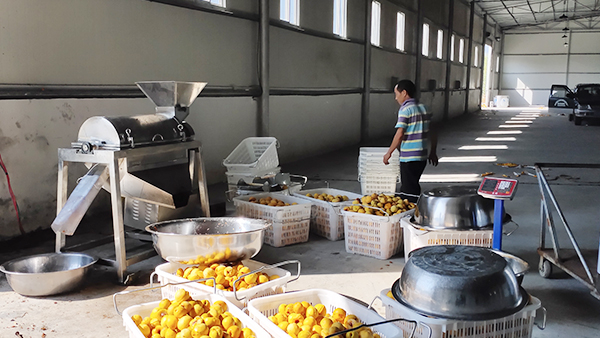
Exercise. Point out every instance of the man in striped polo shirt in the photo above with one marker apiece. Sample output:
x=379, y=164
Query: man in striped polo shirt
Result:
x=412, y=139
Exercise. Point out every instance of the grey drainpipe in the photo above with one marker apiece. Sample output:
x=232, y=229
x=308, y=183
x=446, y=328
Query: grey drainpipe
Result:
x=419, y=48
x=469, y=55
x=263, y=113
x=366, y=94
x=448, y=62
x=483, y=59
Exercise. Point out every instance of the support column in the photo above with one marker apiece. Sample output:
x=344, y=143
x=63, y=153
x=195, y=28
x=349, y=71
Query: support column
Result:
x=419, y=48
x=366, y=93
x=469, y=55
x=501, y=67
x=262, y=124
x=448, y=61
x=483, y=58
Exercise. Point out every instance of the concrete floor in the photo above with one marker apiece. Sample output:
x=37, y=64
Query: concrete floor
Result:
x=571, y=310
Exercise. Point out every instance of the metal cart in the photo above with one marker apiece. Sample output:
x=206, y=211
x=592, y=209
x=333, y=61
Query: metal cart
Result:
x=575, y=262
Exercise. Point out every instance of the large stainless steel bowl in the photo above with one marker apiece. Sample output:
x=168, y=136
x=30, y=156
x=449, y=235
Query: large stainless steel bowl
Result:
x=454, y=207
x=459, y=282
x=517, y=265
x=223, y=239
x=47, y=274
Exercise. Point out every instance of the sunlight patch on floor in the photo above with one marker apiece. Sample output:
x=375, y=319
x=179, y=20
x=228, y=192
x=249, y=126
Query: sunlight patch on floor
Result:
x=496, y=139
x=456, y=159
x=485, y=147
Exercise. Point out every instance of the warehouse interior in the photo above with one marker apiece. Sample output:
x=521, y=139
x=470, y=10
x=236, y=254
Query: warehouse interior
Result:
x=318, y=81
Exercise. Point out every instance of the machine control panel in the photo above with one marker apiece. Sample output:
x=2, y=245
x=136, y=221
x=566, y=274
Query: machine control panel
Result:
x=498, y=188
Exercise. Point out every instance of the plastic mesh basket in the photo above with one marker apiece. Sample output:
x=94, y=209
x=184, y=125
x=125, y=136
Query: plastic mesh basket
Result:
x=326, y=218
x=166, y=274
x=261, y=308
x=518, y=325
x=145, y=309
x=374, y=236
x=415, y=238
x=378, y=182
x=291, y=224
x=252, y=155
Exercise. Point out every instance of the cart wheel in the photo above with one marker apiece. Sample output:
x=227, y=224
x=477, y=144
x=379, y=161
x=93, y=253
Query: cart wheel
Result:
x=545, y=268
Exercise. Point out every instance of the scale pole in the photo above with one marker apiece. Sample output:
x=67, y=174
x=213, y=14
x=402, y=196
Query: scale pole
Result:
x=498, y=212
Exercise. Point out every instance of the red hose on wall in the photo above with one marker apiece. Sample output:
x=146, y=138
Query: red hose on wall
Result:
x=12, y=195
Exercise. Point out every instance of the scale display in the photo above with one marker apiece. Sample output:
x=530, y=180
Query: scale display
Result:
x=498, y=188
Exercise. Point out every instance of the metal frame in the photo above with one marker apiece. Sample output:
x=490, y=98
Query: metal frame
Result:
x=116, y=161
x=572, y=261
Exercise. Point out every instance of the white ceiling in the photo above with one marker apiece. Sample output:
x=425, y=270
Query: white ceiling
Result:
x=544, y=14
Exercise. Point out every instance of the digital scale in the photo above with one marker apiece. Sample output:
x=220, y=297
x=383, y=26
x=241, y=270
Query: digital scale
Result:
x=500, y=190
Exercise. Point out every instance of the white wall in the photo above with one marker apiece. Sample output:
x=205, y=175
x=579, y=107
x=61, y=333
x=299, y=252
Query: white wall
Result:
x=535, y=60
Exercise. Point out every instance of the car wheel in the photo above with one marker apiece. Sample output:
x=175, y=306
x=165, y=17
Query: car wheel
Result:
x=577, y=120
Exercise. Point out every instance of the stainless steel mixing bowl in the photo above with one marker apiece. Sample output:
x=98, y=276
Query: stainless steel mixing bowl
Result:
x=459, y=282
x=47, y=274
x=454, y=207
x=223, y=239
x=517, y=265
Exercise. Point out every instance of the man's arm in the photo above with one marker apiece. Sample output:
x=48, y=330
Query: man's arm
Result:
x=395, y=144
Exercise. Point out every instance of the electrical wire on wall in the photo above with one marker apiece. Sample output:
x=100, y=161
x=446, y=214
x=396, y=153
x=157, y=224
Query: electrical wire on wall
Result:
x=12, y=196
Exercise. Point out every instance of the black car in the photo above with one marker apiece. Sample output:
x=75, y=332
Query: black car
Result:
x=583, y=103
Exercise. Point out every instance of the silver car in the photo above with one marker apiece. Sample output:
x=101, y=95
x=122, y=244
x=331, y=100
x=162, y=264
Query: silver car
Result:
x=583, y=103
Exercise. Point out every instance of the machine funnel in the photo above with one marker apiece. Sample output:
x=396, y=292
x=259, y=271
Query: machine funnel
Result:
x=169, y=94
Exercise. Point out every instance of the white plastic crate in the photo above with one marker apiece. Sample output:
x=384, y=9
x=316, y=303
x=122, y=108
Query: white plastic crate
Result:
x=518, y=325
x=376, y=152
x=326, y=217
x=253, y=155
x=415, y=238
x=291, y=224
x=166, y=274
x=378, y=183
x=372, y=235
x=145, y=309
x=261, y=308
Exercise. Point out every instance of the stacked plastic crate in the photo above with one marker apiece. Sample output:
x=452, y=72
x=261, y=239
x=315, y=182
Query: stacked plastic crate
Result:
x=253, y=157
x=373, y=175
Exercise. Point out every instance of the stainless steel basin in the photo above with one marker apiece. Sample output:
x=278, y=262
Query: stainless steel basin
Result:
x=47, y=274
x=454, y=207
x=231, y=238
x=459, y=282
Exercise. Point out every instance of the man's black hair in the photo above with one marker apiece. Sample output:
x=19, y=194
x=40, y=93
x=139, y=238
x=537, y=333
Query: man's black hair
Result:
x=407, y=85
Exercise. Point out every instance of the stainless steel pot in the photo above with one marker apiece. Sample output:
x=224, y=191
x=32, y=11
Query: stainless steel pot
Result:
x=459, y=282
x=47, y=274
x=454, y=207
x=517, y=265
x=225, y=239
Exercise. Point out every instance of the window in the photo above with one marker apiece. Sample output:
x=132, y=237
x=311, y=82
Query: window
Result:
x=289, y=11
x=425, y=49
x=440, y=44
x=452, y=48
x=375, y=23
x=476, y=59
x=400, y=25
x=340, y=17
x=497, y=64
x=217, y=2
x=461, y=50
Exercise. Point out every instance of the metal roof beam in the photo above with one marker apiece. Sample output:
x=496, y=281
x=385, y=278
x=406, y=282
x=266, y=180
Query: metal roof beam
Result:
x=586, y=16
x=532, y=13
x=517, y=22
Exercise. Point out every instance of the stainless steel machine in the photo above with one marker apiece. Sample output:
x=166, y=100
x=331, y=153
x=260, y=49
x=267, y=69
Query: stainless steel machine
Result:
x=152, y=161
